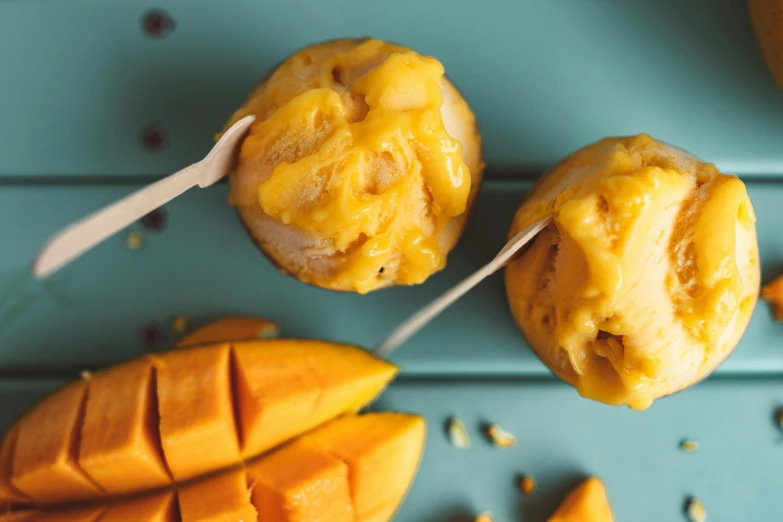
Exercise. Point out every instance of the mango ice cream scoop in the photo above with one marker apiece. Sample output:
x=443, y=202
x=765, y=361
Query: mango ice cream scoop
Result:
x=646, y=278
x=361, y=167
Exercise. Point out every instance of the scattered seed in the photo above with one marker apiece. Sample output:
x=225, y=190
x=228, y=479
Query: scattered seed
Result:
x=134, y=240
x=689, y=446
x=696, y=511
x=484, y=517
x=152, y=138
x=779, y=418
x=458, y=433
x=500, y=437
x=527, y=484
x=86, y=375
x=155, y=220
x=156, y=23
x=152, y=335
x=180, y=324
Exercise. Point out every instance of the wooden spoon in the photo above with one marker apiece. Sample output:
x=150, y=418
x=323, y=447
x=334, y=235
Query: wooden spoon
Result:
x=81, y=236
x=416, y=322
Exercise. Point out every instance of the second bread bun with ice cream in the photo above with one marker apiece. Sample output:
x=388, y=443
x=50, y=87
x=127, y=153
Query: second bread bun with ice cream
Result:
x=361, y=167
x=648, y=275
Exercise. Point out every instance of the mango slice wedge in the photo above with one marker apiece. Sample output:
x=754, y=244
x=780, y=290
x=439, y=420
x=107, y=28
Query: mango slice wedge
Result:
x=222, y=498
x=230, y=329
x=587, y=502
x=382, y=453
x=179, y=415
x=45, y=461
x=197, y=410
x=120, y=445
x=159, y=507
x=318, y=476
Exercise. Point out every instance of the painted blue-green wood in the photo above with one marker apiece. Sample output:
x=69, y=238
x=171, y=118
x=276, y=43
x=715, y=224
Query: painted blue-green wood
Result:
x=562, y=438
x=79, y=80
x=203, y=265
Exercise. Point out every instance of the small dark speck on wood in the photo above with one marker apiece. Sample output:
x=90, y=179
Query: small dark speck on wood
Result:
x=157, y=23
x=152, y=138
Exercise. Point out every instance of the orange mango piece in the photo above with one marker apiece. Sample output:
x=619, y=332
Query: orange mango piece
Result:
x=588, y=502
x=381, y=514
x=350, y=378
x=120, y=447
x=18, y=516
x=8, y=493
x=382, y=451
x=224, y=498
x=159, y=507
x=773, y=294
x=197, y=427
x=45, y=467
x=300, y=483
x=276, y=391
x=76, y=514
x=230, y=329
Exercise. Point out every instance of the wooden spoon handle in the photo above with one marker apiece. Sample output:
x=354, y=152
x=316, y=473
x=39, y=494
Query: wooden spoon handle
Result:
x=416, y=322
x=83, y=235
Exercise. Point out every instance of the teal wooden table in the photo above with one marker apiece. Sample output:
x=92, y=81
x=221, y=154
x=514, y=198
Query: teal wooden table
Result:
x=92, y=106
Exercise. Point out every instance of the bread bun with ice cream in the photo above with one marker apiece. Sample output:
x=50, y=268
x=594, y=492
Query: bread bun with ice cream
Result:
x=361, y=167
x=647, y=277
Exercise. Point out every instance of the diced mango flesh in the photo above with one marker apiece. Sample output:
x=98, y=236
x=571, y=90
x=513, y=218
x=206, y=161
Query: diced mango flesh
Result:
x=300, y=483
x=382, y=451
x=773, y=294
x=230, y=329
x=218, y=499
x=381, y=514
x=18, y=516
x=8, y=493
x=197, y=427
x=105, y=430
x=45, y=466
x=349, y=379
x=157, y=507
x=277, y=394
x=78, y=514
x=120, y=447
x=588, y=502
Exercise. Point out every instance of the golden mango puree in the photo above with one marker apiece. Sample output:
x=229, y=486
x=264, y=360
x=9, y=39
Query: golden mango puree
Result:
x=648, y=275
x=351, y=150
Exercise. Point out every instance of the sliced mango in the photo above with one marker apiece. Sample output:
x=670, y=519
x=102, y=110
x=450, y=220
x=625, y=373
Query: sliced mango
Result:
x=8, y=493
x=158, y=507
x=230, y=329
x=350, y=378
x=382, y=451
x=76, y=514
x=222, y=498
x=45, y=467
x=301, y=482
x=588, y=502
x=18, y=516
x=120, y=446
x=106, y=431
x=277, y=393
x=197, y=427
x=381, y=514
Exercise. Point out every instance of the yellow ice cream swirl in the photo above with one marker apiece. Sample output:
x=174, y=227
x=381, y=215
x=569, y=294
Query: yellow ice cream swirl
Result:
x=385, y=179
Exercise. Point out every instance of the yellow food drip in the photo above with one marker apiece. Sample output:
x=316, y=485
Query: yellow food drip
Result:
x=648, y=276
x=375, y=174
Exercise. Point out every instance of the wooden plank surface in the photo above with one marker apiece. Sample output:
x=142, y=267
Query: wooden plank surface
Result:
x=203, y=265
x=562, y=438
x=80, y=80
